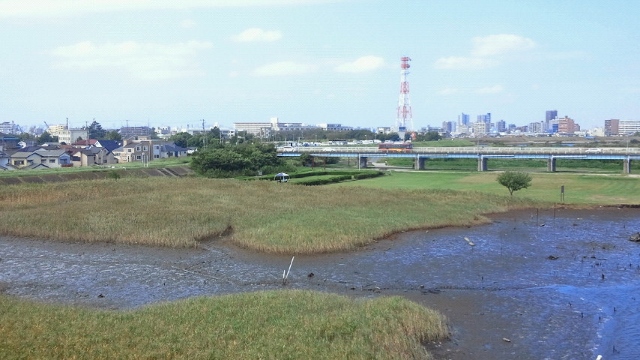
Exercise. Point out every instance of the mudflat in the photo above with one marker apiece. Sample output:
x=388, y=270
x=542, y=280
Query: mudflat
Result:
x=531, y=285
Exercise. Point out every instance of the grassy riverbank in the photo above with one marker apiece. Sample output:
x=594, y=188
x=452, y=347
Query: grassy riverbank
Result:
x=264, y=216
x=261, y=325
x=579, y=189
x=260, y=215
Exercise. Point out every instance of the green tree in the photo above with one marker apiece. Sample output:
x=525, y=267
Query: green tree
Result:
x=96, y=131
x=431, y=136
x=181, y=139
x=113, y=135
x=230, y=160
x=26, y=136
x=514, y=180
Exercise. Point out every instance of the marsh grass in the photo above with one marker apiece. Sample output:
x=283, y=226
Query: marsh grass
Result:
x=260, y=325
x=263, y=216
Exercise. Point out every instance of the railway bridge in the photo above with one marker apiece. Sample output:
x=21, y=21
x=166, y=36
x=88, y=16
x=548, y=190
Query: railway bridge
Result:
x=421, y=155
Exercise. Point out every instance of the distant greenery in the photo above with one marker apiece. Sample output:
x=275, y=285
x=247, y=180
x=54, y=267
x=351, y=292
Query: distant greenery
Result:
x=226, y=160
x=429, y=136
x=113, y=135
x=46, y=138
x=96, y=131
x=209, y=138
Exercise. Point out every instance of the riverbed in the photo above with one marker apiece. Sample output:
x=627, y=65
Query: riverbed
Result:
x=553, y=284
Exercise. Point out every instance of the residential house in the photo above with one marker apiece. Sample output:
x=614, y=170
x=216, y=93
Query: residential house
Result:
x=144, y=149
x=110, y=145
x=23, y=159
x=54, y=158
x=37, y=167
x=169, y=149
x=92, y=156
x=5, y=162
x=89, y=142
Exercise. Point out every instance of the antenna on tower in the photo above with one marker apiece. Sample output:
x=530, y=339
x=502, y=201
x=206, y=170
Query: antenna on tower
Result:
x=404, y=117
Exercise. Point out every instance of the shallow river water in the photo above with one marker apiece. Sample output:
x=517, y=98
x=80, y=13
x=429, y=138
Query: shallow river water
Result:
x=558, y=284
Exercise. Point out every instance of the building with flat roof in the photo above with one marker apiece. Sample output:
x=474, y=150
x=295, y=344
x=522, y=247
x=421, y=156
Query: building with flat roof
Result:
x=628, y=127
x=481, y=128
x=567, y=125
x=611, y=127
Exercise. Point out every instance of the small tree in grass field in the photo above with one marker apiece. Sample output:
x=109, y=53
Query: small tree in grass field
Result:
x=514, y=180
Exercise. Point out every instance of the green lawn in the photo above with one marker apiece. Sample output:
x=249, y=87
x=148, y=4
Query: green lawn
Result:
x=579, y=188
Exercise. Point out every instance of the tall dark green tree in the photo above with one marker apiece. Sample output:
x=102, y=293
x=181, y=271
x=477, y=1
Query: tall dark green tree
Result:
x=46, y=138
x=96, y=131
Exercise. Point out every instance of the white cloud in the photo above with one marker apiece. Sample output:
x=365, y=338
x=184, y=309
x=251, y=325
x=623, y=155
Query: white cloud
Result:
x=487, y=52
x=283, y=68
x=464, y=63
x=363, y=64
x=188, y=23
x=142, y=60
x=500, y=44
x=490, y=90
x=256, y=34
x=567, y=55
x=57, y=8
x=448, y=91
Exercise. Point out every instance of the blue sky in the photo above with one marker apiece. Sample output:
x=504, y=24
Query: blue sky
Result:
x=167, y=62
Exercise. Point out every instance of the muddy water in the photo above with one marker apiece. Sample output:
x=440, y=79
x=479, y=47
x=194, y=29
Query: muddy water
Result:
x=534, y=285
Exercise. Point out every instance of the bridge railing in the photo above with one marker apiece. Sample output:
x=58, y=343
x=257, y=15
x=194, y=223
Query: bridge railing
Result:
x=470, y=150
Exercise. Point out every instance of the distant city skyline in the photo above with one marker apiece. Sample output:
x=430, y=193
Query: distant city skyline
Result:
x=166, y=63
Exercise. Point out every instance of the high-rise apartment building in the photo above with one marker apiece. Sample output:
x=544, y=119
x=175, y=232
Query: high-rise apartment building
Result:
x=612, y=127
x=449, y=127
x=549, y=116
x=486, y=118
x=481, y=128
x=7, y=127
x=629, y=127
x=566, y=125
x=463, y=119
x=535, y=127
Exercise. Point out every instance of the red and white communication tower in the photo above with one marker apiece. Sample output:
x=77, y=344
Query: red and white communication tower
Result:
x=404, y=120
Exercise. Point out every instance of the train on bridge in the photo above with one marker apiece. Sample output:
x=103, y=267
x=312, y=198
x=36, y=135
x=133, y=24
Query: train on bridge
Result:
x=396, y=147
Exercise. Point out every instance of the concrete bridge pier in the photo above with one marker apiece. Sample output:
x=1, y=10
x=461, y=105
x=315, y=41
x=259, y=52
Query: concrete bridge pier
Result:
x=420, y=163
x=626, y=164
x=551, y=164
x=362, y=162
x=482, y=163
